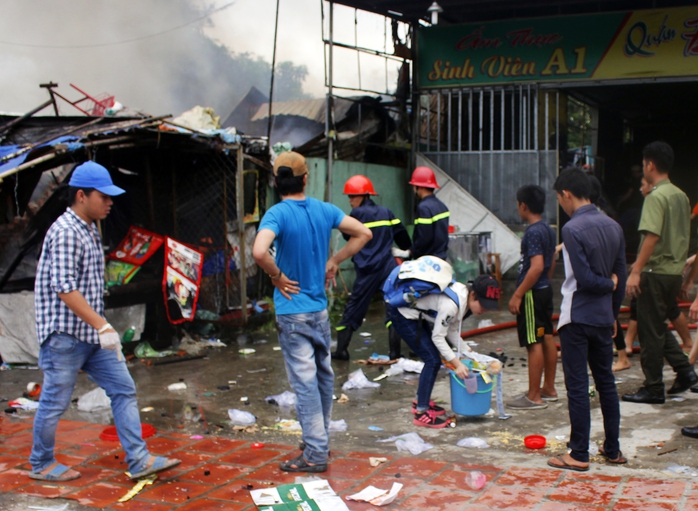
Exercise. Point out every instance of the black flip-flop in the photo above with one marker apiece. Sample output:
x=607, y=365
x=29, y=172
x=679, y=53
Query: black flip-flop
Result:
x=566, y=466
x=620, y=460
x=300, y=465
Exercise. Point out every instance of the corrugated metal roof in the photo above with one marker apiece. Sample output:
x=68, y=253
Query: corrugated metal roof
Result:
x=313, y=109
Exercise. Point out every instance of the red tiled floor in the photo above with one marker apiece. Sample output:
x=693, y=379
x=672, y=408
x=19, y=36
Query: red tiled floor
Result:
x=237, y=491
x=503, y=497
x=529, y=477
x=251, y=457
x=280, y=447
x=114, y=461
x=7, y=461
x=99, y=495
x=90, y=475
x=343, y=485
x=272, y=472
x=557, y=506
x=584, y=492
x=216, y=445
x=653, y=489
x=480, y=468
x=139, y=505
x=636, y=505
x=191, y=459
x=584, y=476
x=218, y=473
x=455, y=480
x=350, y=469
x=22, y=440
x=88, y=449
x=410, y=467
x=79, y=436
x=166, y=445
x=435, y=500
x=49, y=490
x=173, y=492
x=208, y=504
x=8, y=427
x=409, y=485
x=12, y=479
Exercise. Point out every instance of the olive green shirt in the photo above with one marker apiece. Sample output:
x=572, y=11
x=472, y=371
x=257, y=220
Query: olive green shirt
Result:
x=666, y=212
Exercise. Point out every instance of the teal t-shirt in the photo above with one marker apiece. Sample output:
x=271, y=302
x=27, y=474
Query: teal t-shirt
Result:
x=303, y=230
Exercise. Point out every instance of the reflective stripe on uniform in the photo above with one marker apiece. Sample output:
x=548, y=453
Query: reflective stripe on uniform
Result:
x=433, y=219
x=382, y=223
x=340, y=328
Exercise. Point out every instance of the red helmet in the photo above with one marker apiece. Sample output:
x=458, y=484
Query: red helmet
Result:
x=359, y=185
x=424, y=177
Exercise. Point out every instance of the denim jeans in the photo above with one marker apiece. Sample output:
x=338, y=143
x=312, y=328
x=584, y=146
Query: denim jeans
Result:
x=420, y=342
x=305, y=344
x=581, y=344
x=61, y=357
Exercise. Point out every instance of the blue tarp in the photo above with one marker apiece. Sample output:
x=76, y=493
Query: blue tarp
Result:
x=71, y=141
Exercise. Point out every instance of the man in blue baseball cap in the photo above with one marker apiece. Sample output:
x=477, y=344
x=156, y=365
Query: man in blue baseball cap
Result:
x=73, y=333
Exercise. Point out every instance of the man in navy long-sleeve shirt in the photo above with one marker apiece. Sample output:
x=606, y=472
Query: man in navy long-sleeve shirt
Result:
x=595, y=276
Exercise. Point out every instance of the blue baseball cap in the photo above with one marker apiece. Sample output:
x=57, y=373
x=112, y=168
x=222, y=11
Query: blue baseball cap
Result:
x=93, y=175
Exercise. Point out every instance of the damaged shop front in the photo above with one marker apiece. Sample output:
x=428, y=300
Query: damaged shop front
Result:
x=191, y=191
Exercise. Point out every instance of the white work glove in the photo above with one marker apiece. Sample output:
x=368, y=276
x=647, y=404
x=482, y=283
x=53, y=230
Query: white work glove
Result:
x=402, y=254
x=109, y=340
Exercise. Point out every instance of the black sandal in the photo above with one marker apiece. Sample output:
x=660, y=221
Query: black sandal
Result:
x=300, y=465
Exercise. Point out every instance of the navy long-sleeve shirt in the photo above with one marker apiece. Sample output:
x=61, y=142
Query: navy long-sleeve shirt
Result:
x=594, y=250
x=385, y=228
x=430, y=228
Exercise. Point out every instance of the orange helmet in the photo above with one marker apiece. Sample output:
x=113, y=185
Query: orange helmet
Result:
x=424, y=177
x=359, y=185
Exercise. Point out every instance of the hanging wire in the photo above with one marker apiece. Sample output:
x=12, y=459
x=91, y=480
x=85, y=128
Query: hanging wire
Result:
x=385, y=51
x=356, y=43
x=324, y=45
x=273, y=68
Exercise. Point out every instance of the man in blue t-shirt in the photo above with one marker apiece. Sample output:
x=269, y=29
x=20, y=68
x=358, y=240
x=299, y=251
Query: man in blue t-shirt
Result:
x=533, y=300
x=300, y=228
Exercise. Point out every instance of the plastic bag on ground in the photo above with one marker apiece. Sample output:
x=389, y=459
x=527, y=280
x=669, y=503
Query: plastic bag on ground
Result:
x=404, y=365
x=340, y=425
x=411, y=442
x=286, y=398
x=241, y=418
x=358, y=380
x=145, y=350
x=473, y=443
x=95, y=399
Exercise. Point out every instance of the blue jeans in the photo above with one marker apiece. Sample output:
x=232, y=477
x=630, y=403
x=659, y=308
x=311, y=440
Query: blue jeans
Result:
x=305, y=344
x=419, y=341
x=61, y=357
x=581, y=344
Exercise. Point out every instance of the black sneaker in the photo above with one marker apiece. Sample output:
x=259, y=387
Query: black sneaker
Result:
x=429, y=420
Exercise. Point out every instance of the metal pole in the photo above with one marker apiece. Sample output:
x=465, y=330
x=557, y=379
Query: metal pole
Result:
x=438, y=122
x=428, y=121
x=501, y=128
x=470, y=120
x=330, y=120
x=460, y=118
x=241, y=232
x=448, y=144
x=271, y=85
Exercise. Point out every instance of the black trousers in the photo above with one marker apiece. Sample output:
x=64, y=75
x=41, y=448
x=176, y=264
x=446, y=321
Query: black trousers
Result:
x=582, y=345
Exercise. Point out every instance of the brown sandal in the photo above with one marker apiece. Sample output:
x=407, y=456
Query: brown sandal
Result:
x=620, y=460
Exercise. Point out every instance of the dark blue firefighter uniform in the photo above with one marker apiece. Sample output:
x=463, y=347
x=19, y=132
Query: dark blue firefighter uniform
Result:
x=430, y=228
x=374, y=262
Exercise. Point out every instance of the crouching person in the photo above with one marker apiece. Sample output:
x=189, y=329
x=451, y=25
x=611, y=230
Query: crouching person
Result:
x=433, y=320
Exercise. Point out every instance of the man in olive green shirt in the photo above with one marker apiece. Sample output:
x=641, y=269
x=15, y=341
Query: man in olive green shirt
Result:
x=655, y=278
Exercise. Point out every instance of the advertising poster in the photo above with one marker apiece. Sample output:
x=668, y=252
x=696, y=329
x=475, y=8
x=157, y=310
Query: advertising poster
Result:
x=134, y=250
x=181, y=280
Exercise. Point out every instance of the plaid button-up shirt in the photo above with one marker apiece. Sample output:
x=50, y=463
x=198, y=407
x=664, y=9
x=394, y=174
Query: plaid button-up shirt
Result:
x=71, y=259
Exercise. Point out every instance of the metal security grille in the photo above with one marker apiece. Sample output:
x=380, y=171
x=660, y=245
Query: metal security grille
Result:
x=494, y=140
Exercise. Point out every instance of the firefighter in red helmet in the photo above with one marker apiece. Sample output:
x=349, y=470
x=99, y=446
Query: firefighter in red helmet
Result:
x=431, y=220
x=373, y=263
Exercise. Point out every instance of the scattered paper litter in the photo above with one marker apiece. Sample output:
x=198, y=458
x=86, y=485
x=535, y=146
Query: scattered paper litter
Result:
x=24, y=404
x=142, y=483
x=374, y=462
x=340, y=425
x=411, y=442
x=405, y=365
x=358, y=380
x=365, y=334
x=343, y=398
x=376, y=496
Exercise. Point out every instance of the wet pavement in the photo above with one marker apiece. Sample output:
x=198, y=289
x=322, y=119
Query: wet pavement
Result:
x=518, y=478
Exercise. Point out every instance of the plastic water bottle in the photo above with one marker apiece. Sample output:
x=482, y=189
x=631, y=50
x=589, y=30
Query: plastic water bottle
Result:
x=475, y=480
x=128, y=334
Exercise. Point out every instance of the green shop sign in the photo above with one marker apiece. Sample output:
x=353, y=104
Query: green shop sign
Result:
x=598, y=47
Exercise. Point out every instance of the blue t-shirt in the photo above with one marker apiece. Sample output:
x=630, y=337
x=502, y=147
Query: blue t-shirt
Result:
x=539, y=239
x=303, y=229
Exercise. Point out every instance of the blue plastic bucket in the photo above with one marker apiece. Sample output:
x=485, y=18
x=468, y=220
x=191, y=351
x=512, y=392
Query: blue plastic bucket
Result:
x=464, y=403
